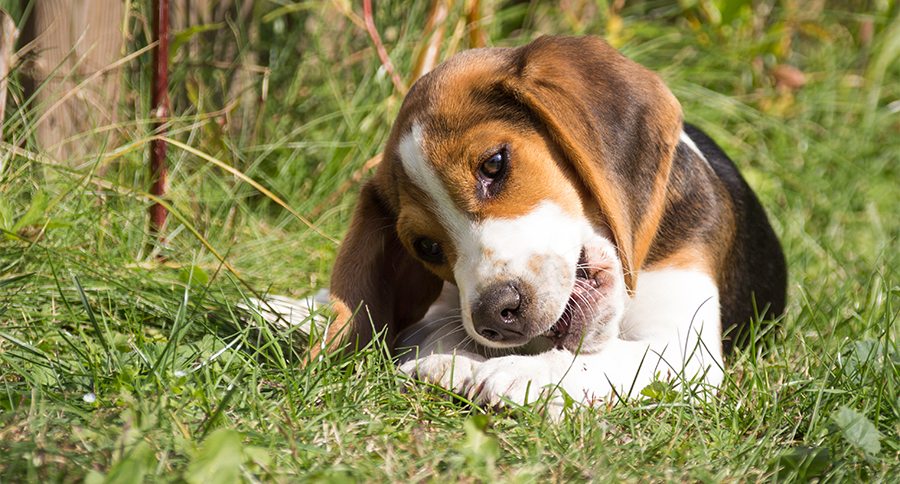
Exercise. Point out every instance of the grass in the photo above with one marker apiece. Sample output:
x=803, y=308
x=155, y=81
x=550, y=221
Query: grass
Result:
x=116, y=367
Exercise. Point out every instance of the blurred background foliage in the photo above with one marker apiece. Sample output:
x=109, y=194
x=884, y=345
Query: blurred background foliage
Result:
x=294, y=95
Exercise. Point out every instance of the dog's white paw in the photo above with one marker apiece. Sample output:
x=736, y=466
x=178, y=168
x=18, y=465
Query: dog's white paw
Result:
x=452, y=372
x=517, y=379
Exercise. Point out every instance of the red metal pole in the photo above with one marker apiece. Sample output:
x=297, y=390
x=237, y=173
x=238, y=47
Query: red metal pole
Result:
x=160, y=113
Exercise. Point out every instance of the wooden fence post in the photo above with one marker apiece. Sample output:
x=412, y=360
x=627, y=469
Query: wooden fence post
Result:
x=72, y=41
x=8, y=35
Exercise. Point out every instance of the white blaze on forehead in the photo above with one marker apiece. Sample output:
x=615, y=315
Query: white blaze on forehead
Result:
x=424, y=176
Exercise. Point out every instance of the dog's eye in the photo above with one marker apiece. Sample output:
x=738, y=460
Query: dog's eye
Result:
x=429, y=250
x=492, y=174
x=495, y=165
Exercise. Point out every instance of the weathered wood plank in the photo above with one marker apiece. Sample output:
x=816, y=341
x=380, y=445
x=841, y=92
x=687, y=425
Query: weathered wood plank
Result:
x=73, y=40
x=8, y=36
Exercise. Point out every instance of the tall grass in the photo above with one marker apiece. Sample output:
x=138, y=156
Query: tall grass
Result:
x=115, y=366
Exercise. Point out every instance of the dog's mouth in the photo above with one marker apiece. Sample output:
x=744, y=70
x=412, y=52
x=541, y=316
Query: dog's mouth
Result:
x=568, y=332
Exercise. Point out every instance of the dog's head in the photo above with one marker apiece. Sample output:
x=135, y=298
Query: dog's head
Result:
x=533, y=178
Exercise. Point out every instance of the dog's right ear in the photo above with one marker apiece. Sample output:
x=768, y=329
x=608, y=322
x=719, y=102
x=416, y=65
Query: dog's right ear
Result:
x=376, y=284
x=618, y=125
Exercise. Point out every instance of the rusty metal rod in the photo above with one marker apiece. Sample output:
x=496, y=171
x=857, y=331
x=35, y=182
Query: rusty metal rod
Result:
x=160, y=114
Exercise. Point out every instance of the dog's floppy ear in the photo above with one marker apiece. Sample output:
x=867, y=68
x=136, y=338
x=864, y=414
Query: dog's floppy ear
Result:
x=375, y=283
x=617, y=123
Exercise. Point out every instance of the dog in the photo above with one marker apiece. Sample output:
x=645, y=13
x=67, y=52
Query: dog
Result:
x=544, y=223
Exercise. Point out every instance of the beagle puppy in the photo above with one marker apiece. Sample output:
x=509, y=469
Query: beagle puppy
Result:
x=543, y=222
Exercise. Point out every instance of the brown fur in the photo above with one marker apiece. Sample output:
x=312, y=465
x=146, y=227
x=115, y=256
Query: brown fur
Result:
x=697, y=222
x=372, y=267
x=621, y=149
x=687, y=257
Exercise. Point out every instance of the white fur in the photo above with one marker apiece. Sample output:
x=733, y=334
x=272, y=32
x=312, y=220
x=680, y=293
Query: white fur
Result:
x=538, y=249
x=690, y=143
x=285, y=312
x=422, y=173
x=671, y=331
x=439, y=332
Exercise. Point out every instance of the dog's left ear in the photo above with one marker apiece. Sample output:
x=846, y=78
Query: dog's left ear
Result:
x=617, y=123
x=376, y=285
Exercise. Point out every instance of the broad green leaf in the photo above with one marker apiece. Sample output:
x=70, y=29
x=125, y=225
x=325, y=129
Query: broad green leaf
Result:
x=217, y=460
x=660, y=391
x=258, y=455
x=857, y=430
x=132, y=467
x=34, y=213
x=42, y=375
x=734, y=9
x=863, y=356
x=94, y=477
x=194, y=276
x=802, y=463
x=479, y=447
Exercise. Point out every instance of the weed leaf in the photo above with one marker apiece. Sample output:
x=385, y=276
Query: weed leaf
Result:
x=858, y=430
x=34, y=213
x=480, y=447
x=132, y=467
x=193, y=275
x=802, y=463
x=660, y=391
x=218, y=459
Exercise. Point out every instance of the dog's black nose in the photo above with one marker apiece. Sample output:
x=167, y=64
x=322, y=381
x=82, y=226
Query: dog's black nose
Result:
x=496, y=316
